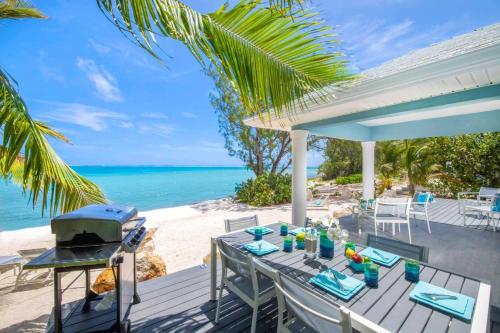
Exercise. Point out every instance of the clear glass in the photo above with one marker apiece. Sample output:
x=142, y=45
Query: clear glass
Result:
x=311, y=244
x=344, y=236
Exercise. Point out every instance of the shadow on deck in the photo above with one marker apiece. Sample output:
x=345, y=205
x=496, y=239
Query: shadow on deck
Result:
x=180, y=302
x=177, y=303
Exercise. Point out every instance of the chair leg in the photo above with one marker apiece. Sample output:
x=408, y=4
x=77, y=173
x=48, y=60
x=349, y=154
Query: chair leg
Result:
x=428, y=224
x=376, y=227
x=219, y=300
x=409, y=231
x=254, y=318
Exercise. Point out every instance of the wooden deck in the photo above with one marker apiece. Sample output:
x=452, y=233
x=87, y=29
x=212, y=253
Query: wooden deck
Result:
x=446, y=211
x=177, y=303
x=180, y=302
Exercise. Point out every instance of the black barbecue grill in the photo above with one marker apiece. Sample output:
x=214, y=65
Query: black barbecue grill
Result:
x=96, y=236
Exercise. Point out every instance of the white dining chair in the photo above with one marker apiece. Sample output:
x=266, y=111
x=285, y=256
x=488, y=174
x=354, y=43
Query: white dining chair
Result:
x=253, y=287
x=421, y=208
x=390, y=210
x=241, y=223
x=305, y=309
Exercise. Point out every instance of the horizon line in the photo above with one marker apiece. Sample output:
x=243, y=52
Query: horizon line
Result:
x=168, y=165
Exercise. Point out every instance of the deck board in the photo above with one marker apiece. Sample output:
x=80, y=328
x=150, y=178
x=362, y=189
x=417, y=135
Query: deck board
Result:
x=180, y=302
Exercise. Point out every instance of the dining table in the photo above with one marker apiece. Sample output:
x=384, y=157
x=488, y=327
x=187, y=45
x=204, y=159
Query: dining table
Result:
x=387, y=308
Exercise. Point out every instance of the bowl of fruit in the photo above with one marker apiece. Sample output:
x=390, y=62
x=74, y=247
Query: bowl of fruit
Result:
x=355, y=260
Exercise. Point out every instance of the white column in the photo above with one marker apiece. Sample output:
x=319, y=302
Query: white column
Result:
x=368, y=169
x=299, y=176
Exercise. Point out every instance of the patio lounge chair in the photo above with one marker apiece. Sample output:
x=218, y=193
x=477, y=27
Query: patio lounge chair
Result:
x=241, y=223
x=483, y=197
x=419, y=206
x=489, y=210
x=319, y=203
x=13, y=263
x=306, y=309
x=417, y=252
x=27, y=278
x=253, y=287
x=382, y=216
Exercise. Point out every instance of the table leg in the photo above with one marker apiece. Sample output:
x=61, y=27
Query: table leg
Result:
x=57, y=302
x=213, y=269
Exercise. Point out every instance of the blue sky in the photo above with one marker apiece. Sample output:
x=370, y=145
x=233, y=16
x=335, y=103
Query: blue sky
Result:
x=120, y=106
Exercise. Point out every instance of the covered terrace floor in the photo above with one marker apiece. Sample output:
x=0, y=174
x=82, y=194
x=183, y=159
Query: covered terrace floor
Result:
x=180, y=302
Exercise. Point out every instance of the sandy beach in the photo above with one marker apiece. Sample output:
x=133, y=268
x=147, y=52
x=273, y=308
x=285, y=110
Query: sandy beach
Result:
x=182, y=240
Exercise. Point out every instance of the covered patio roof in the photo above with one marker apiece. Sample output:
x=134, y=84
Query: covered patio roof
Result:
x=448, y=88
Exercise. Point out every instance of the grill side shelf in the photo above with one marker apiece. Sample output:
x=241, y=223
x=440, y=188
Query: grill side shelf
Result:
x=71, y=257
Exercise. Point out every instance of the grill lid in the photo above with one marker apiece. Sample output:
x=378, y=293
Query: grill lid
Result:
x=104, y=213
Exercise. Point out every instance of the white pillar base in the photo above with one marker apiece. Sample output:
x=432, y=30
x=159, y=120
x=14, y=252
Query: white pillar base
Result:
x=299, y=176
x=368, y=169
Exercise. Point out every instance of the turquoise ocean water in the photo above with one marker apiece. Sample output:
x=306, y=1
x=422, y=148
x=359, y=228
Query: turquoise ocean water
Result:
x=143, y=187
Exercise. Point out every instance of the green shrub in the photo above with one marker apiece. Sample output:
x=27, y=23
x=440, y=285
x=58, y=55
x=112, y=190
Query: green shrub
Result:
x=265, y=190
x=351, y=179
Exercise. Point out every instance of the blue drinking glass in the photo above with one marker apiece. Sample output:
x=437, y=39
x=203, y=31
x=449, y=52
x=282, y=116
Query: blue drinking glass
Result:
x=284, y=229
x=288, y=244
x=412, y=270
x=257, y=232
x=371, y=275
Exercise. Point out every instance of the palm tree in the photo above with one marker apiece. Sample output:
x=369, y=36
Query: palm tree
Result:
x=26, y=156
x=417, y=162
x=278, y=54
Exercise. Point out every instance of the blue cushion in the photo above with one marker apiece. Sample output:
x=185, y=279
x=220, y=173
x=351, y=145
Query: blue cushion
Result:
x=496, y=204
x=422, y=197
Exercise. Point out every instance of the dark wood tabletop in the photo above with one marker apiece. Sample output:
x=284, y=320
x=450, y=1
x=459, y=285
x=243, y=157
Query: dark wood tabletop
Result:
x=388, y=307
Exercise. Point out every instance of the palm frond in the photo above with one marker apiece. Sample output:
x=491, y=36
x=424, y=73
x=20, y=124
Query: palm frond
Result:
x=274, y=61
x=45, y=175
x=17, y=9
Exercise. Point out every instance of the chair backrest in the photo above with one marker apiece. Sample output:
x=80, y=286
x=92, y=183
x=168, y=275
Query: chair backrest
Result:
x=421, y=198
x=241, y=223
x=236, y=260
x=317, y=313
x=405, y=205
x=411, y=251
x=487, y=192
x=495, y=203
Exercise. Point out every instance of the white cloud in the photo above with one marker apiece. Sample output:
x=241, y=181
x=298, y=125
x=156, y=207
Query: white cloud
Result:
x=48, y=71
x=370, y=42
x=161, y=129
x=188, y=115
x=100, y=48
x=154, y=115
x=92, y=117
x=125, y=124
x=105, y=84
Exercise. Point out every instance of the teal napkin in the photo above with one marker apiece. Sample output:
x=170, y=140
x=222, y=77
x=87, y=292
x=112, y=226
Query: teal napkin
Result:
x=298, y=230
x=265, y=248
x=350, y=284
x=461, y=307
x=385, y=258
x=265, y=230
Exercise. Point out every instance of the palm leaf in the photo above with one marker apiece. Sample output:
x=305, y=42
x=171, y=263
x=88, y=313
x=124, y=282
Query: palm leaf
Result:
x=16, y=9
x=47, y=178
x=274, y=61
